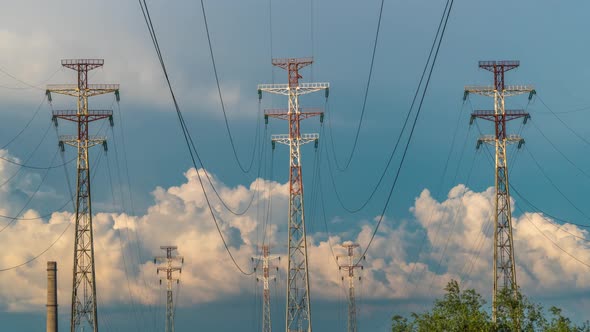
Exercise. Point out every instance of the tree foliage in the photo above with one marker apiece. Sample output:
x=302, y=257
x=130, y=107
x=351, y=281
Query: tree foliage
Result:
x=466, y=311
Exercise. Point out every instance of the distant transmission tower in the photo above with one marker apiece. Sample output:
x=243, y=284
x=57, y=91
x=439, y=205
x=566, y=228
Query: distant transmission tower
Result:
x=169, y=268
x=350, y=265
x=265, y=277
x=84, y=307
x=504, y=263
x=298, y=313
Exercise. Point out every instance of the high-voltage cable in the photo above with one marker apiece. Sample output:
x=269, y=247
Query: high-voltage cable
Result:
x=231, y=139
x=563, y=123
x=38, y=86
x=187, y=137
x=358, y=129
x=31, y=196
x=34, y=258
x=433, y=48
x=446, y=16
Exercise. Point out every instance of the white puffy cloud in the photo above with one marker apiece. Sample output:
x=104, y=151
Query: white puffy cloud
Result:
x=392, y=269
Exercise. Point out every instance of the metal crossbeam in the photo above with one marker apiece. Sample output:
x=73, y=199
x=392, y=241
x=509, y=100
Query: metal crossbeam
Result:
x=302, y=88
x=509, y=115
x=74, y=115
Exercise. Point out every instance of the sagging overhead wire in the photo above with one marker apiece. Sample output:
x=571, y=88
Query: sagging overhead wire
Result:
x=34, y=258
x=231, y=139
x=563, y=123
x=555, y=186
x=28, y=85
x=358, y=129
x=187, y=137
x=560, y=152
x=26, y=125
x=406, y=120
x=512, y=188
x=438, y=42
x=553, y=242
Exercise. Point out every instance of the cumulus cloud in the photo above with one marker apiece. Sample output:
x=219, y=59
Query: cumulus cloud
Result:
x=459, y=245
x=459, y=227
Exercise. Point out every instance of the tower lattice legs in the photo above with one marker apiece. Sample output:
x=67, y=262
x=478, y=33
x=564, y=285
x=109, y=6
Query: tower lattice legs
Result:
x=84, y=303
x=298, y=311
x=504, y=263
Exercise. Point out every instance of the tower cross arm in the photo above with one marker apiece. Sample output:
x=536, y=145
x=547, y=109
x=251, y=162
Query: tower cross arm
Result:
x=490, y=90
x=73, y=89
x=491, y=139
x=285, y=139
x=283, y=89
x=283, y=113
x=73, y=115
x=509, y=115
x=166, y=259
x=73, y=140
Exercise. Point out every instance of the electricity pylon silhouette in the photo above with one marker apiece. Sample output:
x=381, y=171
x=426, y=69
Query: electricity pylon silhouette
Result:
x=352, y=263
x=504, y=263
x=84, y=306
x=298, y=311
x=169, y=268
x=265, y=277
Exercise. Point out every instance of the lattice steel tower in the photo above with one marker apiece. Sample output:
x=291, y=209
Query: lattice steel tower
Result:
x=170, y=269
x=504, y=263
x=298, y=313
x=84, y=306
x=352, y=263
x=265, y=278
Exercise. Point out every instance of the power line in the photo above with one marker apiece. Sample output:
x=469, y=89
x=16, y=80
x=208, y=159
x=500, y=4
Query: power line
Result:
x=54, y=242
x=28, y=85
x=358, y=129
x=231, y=139
x=554, y=185
x=563, y=123
x=382, y=215
x=27, y=124
x=560, y=152
x=408, y=114
x=187, y=137
x=553, y=242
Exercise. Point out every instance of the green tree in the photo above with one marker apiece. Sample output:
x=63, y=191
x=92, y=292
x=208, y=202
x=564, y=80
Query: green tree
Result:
x=460, y=311
x=463, y=310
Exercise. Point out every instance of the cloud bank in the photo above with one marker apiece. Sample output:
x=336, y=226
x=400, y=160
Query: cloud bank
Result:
x=457, y=234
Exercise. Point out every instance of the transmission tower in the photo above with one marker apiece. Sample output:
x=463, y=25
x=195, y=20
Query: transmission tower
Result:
x=298, y=311
x=169, y=268
x=350, y=265
x=504, y=263
x=84, y=306
x=265, y=277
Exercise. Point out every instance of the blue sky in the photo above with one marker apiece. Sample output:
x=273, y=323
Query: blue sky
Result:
x=547, y=38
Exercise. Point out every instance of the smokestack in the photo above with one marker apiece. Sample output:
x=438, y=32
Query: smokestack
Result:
x=51, y=297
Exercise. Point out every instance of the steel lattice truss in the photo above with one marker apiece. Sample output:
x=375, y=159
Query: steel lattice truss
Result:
x=170, y=268
x=265, y=277
x=298, y=315
x=84, y=306
x=351, y=264
x=504, y=263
